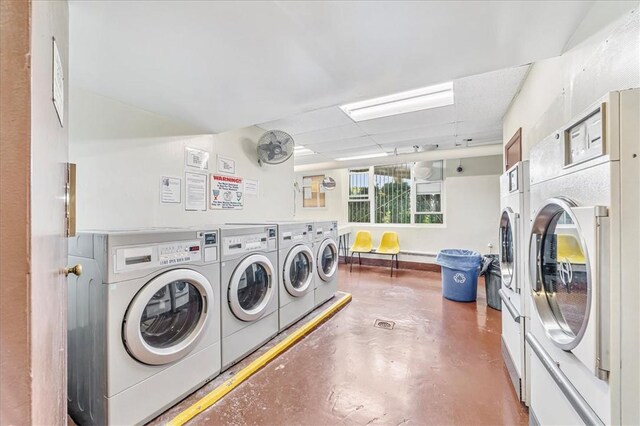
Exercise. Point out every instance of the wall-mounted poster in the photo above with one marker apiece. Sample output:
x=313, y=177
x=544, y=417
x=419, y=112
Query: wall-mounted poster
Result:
x=170, y=190
x=227, y=193
x=251, y=187
x=195, y=192
x=226, y=165
x=196, y=158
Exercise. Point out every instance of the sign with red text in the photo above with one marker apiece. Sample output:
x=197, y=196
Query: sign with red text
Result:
x=227, y=193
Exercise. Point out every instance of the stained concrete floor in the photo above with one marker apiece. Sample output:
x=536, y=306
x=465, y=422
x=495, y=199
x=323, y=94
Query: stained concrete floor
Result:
x=440, y=365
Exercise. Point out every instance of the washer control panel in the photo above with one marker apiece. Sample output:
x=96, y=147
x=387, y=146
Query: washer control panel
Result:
x=133, y=258
x=253, y=242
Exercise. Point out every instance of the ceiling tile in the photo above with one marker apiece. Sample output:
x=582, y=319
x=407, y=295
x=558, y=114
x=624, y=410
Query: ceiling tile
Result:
x=429, y=117
x=417, y=133
x=310, y=121
x=342, y=144
x=330, y=134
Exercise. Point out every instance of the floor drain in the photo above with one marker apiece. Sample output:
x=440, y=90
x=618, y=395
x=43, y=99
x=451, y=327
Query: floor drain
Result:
x=387, y=325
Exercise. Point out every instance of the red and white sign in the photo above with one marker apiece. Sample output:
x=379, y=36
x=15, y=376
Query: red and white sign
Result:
x=227, y=193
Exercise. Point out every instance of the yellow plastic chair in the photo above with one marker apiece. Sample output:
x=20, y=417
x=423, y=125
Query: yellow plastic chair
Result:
x=389, y=244
x=569, y=250
x=362, y=244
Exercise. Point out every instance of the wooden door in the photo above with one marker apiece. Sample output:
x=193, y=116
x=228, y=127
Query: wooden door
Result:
x=513, y=150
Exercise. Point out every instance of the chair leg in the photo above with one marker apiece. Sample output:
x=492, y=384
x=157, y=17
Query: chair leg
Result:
x=359, y=259
x=351, y=263
x=391, y=266
x=397, y=263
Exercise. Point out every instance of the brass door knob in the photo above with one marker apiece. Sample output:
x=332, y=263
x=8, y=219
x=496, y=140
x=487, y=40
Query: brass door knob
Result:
x=75, y=270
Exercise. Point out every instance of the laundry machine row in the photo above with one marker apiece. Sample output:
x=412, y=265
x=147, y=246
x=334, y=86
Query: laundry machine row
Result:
x=158, y=313
x=583, y=270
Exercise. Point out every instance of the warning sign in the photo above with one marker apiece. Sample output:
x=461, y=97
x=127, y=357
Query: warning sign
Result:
x=226, y=193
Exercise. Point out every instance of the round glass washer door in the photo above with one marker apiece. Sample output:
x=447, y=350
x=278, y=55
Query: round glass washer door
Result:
x=507, y=248
x=560, y=273
x=327, y=262
x=298, y=270
x=167, y=317
x=251, y=287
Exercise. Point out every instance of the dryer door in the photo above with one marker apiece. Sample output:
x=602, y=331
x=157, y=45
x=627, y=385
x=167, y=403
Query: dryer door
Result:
x=327, y=261
x=298, y=270
x=508, y=249
x=167, y=317
x=251, y=287
x=569, y=277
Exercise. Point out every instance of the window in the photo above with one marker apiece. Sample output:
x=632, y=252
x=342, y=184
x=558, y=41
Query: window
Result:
x=392, y=186
x=313, y=195
x=409, y=193
x=359, y=204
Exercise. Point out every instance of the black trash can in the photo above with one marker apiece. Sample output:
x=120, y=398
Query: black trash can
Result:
x=492, y=280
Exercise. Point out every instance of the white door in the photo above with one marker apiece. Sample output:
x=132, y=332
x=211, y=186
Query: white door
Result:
x=251, y=287
x=327, y=262
x=168, y=316
x=298, y=270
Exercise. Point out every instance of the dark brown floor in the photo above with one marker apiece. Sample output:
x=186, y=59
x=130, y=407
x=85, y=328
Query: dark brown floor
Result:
x=441, y=364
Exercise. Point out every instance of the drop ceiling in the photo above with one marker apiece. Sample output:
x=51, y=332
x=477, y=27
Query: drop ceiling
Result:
x=223, y=65
x=475, y=118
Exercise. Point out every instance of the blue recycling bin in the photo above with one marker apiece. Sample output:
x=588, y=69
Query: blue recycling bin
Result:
x=460, y=269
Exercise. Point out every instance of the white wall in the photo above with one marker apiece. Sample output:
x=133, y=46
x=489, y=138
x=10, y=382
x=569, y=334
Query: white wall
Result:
x=559, y=88
x=121, y=153
x=472, y=209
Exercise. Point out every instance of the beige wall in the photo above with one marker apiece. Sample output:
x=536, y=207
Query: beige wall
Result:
x=605, y=57
x=15, y=133
x=474, y=190
x=122, y=151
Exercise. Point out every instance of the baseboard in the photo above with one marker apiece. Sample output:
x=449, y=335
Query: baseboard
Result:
x=402, y=264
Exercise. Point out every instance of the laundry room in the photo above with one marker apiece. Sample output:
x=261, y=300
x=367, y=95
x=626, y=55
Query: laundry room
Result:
x=318, y=212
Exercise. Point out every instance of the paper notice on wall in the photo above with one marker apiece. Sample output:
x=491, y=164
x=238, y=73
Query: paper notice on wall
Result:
x=196, y=158
x=226, y=165
x=307, y=193
x=58, y=83
x=251, y=187
x=195, y=192
x=227, y=193
x=170, y=190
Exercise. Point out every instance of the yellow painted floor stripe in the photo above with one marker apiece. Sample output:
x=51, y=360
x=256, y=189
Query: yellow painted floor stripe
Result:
x=242, y=375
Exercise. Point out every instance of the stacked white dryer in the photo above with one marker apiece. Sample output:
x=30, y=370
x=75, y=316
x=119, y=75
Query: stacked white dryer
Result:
x=583, y=338
x=514, y=292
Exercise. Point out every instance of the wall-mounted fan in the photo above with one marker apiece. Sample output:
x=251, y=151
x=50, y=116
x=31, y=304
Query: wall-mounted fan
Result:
x=275, y=147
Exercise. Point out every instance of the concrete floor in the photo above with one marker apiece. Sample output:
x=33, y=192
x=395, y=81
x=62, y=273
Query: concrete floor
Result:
x=441, y=364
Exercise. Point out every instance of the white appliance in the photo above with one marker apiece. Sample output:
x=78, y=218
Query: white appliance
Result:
x=580, y=371
x=296, y=265
x=514, y=292
x=249, y=288
x=326, y=255
x=143, y=322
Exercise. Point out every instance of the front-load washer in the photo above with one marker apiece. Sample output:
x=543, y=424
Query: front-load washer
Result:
x=578, y=372
x=326, y=255
x=249, y=289
x=296, y=264
x=143, y=322
x=514, y=291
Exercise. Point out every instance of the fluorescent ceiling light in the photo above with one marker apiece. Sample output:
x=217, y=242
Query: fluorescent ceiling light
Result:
x=435, y=96
x=360, y=157
x=301, y=151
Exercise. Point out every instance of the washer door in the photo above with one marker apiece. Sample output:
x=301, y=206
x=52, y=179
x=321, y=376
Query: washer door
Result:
x=166, y=319
x=508, y=248
x=560, y=272
x=298, y=270
x=327, y=260
x=251, y=287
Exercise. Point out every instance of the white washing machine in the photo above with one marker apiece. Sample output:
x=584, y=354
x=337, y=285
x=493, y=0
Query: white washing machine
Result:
x=249, y=289
x=514, y=292
x=143, y=322
x=296, y=265
x=326, y=255
x=578, y=372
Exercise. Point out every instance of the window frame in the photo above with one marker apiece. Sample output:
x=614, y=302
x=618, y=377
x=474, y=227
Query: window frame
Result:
x=413, y=199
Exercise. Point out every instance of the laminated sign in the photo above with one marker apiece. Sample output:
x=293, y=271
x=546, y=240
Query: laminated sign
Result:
x=226, y=193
